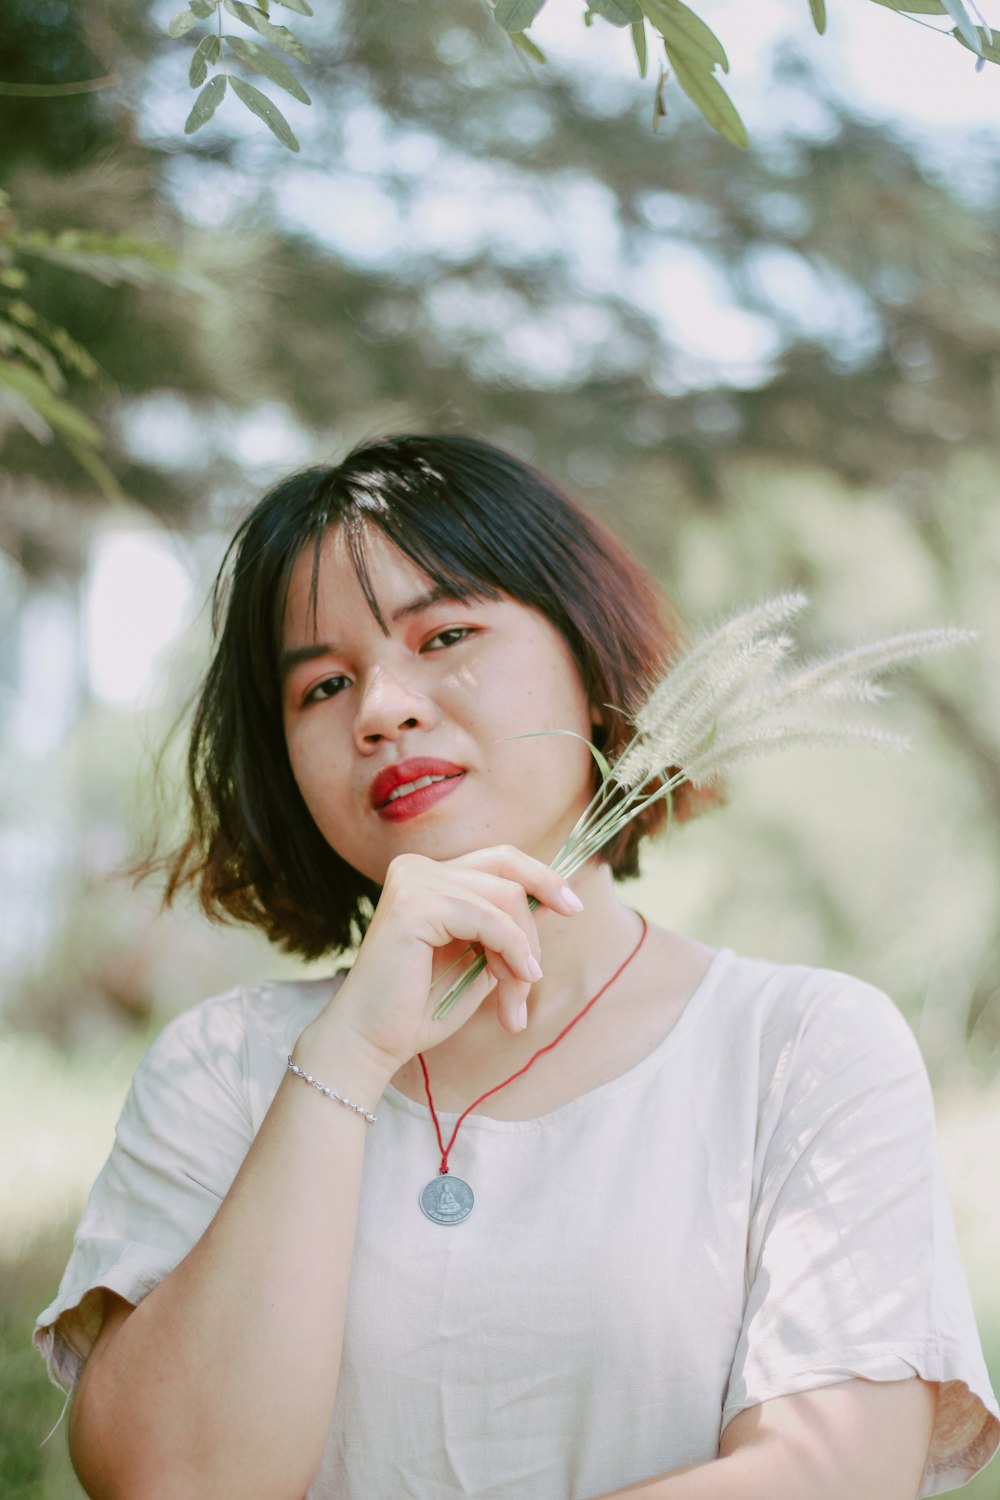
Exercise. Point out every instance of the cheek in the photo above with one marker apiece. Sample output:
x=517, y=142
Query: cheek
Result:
x=314, y=767
x=558, y=697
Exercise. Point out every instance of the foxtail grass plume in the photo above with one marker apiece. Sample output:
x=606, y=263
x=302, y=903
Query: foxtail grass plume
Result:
x=734, y=695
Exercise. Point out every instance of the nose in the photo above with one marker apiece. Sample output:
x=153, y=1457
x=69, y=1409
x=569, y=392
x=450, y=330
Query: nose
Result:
x=389, y=705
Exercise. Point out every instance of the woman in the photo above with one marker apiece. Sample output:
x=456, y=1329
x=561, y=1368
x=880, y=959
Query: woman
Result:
x=697, y=1249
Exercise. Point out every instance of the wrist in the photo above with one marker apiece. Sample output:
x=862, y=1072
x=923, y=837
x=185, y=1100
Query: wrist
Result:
x=333, y=1052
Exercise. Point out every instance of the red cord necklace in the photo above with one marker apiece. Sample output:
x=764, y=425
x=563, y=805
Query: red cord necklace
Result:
x=447, y=1199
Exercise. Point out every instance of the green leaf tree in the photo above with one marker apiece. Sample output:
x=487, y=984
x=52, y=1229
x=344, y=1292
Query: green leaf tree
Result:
x=220, y=49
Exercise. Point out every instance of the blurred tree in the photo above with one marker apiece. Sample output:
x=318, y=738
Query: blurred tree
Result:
x=360, y=279
x=460, y=244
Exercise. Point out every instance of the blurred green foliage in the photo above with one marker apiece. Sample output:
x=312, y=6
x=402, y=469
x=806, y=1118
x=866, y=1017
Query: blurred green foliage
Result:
x=38, y=359
x=29, y=1404
x=460, y=245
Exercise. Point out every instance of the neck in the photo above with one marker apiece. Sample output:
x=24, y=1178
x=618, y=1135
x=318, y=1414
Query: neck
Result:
x=577, y=955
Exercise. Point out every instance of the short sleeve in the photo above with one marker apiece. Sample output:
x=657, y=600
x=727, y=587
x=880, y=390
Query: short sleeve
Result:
x=853, y=1266
x=183, y=1132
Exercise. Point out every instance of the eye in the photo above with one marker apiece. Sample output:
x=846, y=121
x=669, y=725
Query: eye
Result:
x=449, y=637
x=328, y=688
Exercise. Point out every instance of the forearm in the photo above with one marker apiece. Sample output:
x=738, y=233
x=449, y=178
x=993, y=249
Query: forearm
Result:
x=717, y=1479
x=222, y=1381
x=856, y=1438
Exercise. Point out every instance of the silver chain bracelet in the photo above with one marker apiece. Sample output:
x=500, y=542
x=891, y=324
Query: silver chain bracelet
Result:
x=330, y=1093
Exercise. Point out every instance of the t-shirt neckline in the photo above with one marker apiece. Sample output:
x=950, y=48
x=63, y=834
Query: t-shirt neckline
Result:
x=685, y=1023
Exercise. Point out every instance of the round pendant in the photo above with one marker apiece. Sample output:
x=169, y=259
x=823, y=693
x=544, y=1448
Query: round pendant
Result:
x=447, y=1199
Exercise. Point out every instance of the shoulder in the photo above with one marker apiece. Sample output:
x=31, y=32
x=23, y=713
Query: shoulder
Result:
x=230, y=1034
x=810, y=1029
x=272, y=1006
x=834, y=1052
x=804, y=1000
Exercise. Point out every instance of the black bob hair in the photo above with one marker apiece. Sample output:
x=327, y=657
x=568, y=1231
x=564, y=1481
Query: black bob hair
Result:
x=478, y=522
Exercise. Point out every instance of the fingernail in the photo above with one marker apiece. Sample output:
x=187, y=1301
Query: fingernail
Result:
x=571, y=899
x=533, y=967
x=522, y=1015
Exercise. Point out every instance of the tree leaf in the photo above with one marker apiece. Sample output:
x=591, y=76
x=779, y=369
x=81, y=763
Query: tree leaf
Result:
x=524, y=44
x=914, y=7
x=22, y=312
x=206, y=104
x=639, y=44
x=818, y=11
x=258, y=57
x=302, y=7
x=58, y=90
x=18, y=340
x=618, y=12
x=705, y=90
x=31, y=420
x=97, y=469
x=990, y=45
x=265, y=109
x=204, y=8
x=73, y=354
x=206, y=55
x=184, y=21
x=109, y=259
x=516, y=15
x=694, y=51
x=278, y=36
x=686, y=35
x=59, y=415
x=963, y=24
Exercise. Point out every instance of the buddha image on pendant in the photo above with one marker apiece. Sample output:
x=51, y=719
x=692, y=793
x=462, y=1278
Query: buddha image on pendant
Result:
x=447, y=1200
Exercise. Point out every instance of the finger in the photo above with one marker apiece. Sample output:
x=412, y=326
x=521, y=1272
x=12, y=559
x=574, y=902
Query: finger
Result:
x=508, y=895
x=469, y=917
x=510, y=995
x=539, y=880
x=419, y=890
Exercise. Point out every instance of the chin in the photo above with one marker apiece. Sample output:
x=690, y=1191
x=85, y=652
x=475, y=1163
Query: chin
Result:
x=432, y=843
x=445, y=838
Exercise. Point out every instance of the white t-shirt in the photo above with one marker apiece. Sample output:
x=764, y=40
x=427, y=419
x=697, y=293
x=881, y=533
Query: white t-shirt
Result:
x=754, y=1209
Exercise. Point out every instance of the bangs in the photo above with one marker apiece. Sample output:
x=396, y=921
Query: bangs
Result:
x=474, y=520
x=464, y=573
x=455, y=577
x=449, y=525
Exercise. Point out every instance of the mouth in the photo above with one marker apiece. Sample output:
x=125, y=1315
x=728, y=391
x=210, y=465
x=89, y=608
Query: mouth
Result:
x=410, y=788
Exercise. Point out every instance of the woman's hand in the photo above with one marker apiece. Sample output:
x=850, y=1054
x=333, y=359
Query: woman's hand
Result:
x=428, y=914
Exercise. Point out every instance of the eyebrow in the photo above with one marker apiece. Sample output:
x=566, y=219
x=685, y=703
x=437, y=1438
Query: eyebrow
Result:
x=298, y=654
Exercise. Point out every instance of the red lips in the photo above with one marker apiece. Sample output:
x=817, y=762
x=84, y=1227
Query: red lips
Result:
x=405, y=771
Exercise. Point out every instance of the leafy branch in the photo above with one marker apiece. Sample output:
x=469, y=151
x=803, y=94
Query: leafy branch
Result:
x=221, y=48
x=693, y=51
x=38, y=358
x=59, y=90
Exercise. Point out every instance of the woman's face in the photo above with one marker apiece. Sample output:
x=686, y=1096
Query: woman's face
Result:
x=369, y=717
